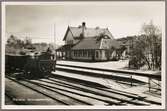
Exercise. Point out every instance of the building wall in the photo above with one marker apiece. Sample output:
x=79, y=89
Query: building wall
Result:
x=81, y=54
x=91, y=55
x=104, y=56
x=100, y=55
x=70, y=39
x=113, y=55
x=123, y=54
x=68, y=54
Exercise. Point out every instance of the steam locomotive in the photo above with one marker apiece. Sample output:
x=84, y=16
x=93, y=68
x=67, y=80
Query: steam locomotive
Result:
x=34, y=65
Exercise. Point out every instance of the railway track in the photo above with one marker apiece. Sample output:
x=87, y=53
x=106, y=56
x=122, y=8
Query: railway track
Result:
x=63, y=100
x=126, y=79
x=75, y=85
x=122, y=78
x=100, y=73
x=68, y=91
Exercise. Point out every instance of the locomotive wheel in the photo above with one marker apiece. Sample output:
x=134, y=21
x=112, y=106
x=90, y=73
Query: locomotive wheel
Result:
x=42, y=74
x=27, y=74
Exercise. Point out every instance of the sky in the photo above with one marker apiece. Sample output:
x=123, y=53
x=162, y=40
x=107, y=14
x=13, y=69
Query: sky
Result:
x=43, y=22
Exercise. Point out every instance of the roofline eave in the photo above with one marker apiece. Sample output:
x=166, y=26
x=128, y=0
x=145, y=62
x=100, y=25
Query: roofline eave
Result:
x=66, y=33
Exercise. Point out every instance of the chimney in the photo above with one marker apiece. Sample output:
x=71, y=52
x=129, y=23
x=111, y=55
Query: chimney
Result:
x=83, y=28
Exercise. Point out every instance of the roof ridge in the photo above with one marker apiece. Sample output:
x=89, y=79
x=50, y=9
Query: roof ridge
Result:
x=90, y=28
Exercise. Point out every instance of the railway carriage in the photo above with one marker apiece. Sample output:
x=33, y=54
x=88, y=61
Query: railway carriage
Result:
x=34, y=65
x=15, y=62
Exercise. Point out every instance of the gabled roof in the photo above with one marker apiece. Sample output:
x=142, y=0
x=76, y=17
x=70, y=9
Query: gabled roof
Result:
x=94, y=43
x=65, y=47
x=108, y=43
x=88, y=43
x=88, y=32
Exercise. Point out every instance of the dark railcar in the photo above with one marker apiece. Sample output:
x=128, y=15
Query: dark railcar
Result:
x=15, y=62
x=32, y=66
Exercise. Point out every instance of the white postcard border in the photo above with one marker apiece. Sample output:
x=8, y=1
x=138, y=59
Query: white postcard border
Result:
x=73, y=107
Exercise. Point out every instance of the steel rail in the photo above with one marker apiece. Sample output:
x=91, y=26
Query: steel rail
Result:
x=127, y=72
x=36, y=90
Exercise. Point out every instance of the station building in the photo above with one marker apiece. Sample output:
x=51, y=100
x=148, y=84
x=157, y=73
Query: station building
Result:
x=88, y=44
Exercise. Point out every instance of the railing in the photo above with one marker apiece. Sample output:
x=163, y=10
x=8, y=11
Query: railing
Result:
x=150, y=75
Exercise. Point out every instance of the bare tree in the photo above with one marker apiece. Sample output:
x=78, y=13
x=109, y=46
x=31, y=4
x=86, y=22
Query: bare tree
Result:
x=147, y=47
x=153, y=43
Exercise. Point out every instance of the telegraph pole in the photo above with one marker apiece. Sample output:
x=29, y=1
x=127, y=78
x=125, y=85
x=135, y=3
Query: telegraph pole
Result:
x=54, y=33
x=55, y=39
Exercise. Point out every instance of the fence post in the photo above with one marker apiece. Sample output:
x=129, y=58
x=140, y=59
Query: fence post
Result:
x=131, y=81
x=149, y=83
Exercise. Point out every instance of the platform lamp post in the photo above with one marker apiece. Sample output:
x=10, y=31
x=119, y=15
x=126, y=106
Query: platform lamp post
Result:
x=55, y=43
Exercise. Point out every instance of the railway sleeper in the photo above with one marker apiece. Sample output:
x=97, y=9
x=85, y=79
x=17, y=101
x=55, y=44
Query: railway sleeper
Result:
x=84, y=99
x=110, y=95
x=86, y=89
x=74, y=101
x=120, y=79
x=132, y=95
x=83, y=89
x=61, y=89
x=25, y=95
x=76, y=91
x=34, y=89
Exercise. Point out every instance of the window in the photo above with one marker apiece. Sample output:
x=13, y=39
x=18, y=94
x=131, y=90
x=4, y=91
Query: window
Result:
x=74, y=53
x=97, y=54
x=80, y=53
x=84, y=53
x=89, y=53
